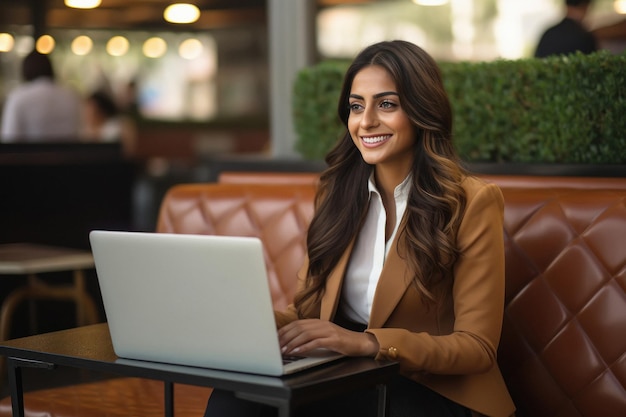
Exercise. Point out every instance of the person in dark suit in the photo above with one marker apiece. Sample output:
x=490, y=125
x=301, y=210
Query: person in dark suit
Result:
x=569, y=35
x=405, y=252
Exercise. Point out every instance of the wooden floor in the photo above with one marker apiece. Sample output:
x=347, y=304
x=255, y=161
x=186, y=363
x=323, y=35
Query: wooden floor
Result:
x=35, y=379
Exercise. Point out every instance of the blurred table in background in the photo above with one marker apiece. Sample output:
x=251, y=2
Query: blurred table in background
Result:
x=32, y=259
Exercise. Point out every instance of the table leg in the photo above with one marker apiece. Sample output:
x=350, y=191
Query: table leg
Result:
x=284, y=410
x=86, y=312
x=283, y=405
x=10, y=303
x=15, y=385
x=14, y=369
x=32, y=306
x=169, y=398
x=383, y=400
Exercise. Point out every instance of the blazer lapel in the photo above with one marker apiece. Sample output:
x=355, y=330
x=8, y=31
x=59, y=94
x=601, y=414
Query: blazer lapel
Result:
x=392, y=284
x=332, y=292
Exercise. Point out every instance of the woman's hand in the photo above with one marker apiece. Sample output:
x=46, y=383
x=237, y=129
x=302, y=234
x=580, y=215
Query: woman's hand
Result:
x=302, y=336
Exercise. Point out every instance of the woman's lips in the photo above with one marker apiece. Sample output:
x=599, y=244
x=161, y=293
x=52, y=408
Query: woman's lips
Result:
x=374, y=140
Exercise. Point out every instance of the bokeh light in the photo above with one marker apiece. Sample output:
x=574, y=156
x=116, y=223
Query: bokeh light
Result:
x=81, y=45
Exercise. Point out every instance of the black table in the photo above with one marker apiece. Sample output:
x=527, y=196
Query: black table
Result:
x=90, y=348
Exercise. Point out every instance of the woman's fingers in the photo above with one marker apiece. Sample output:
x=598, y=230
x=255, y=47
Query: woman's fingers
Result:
x=302, y=336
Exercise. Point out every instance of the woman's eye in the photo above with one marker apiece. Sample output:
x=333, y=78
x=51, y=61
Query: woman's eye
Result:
x=354, y=107
x=387, y=105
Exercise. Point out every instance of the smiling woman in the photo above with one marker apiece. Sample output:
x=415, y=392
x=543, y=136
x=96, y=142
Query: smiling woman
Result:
x=405, y=256
x=379, y=127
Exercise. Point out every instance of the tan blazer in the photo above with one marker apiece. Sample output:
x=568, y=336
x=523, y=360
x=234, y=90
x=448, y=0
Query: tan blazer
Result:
x=450, y=346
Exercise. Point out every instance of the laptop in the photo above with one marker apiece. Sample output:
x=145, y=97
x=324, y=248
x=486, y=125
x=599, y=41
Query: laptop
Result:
x=191, y=300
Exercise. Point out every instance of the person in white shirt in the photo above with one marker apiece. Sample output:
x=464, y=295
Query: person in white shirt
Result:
x=40, y=109
x=405, y=252
x=105, y=123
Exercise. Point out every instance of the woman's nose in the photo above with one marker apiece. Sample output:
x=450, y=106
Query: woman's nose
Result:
x=369, y=118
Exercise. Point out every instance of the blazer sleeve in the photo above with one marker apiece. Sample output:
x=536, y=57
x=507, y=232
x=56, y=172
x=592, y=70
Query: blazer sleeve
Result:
x=477, y=297
x=290, y=313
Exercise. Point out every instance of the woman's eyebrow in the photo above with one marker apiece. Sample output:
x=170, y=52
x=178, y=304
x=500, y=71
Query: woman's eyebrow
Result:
x=378, y=95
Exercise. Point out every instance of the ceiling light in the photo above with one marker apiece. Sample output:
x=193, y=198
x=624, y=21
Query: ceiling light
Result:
x=117, y=46
x=190, y=48
x=620, y=6
x=181, y=13
x=6, y=42
x=81, y=45
x=154, y=47
x=83, y=4
x=430, y=2
x=45, y=44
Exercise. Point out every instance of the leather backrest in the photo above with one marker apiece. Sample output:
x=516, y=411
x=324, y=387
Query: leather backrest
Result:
x=563, y=347
x=245, y=177
x=576, y=183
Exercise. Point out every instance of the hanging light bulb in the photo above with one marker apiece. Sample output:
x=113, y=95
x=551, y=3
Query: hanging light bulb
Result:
x=181, y=13
x=83, y=4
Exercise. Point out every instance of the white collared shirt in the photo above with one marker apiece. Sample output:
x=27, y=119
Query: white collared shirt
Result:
x=41, y=110
x=369, y=253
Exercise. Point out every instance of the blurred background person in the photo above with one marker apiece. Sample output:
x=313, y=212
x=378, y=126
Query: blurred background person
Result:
x=570, y=34
x=105, y=123
x=40, y=109
x=612, y=37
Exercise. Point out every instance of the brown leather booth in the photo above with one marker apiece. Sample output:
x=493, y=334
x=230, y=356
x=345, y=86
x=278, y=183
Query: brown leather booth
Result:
x=563, y=347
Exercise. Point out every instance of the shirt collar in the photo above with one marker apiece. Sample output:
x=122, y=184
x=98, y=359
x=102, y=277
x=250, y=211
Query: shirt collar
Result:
x=400, y=192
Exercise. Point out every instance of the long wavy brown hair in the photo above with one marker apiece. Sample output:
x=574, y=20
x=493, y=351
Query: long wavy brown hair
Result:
x=436, y=200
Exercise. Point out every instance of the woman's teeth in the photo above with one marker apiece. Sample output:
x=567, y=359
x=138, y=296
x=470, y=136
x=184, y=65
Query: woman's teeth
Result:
x=375, y=139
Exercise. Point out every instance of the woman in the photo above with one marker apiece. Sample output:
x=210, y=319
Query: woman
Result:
x=405, y=251
x=105, y=123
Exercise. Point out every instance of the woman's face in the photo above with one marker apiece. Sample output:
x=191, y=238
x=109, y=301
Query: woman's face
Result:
x=379, y=127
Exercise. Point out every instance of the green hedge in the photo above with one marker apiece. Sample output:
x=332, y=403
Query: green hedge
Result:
x=553, y=110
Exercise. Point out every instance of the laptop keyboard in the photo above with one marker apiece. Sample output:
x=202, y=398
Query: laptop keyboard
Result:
x=287, y=359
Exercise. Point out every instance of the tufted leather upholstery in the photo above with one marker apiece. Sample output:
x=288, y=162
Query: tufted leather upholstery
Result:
x=563, y=348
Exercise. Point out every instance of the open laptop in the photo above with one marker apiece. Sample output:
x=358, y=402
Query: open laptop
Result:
x=191, y=300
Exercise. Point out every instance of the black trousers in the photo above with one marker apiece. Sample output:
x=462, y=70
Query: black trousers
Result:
x=406, y=399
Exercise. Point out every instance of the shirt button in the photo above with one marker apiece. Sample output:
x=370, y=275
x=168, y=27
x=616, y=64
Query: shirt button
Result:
x=392, y=352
